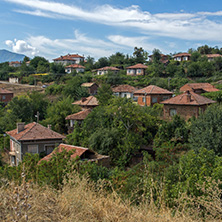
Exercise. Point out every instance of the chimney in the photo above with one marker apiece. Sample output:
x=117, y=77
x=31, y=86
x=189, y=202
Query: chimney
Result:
x=49, y=126
x=188, y=96
x=83, y=99
x=20, y=127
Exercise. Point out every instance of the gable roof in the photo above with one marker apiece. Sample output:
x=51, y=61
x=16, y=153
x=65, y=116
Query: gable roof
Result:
x=79, y=116
x=152, y=89
x=123, y=88
x=138, y=66
x=68, y=57
x=188, y=98
x=182, y=54
x=5, y=91
x=194, y=86
x=34, y=131
x=78, y=151
x=213, y=55
x=88, y=101
x=88, y=84
x=108, y=68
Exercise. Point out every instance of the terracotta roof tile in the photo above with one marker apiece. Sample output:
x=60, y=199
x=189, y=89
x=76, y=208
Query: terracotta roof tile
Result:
x=109, y=68
x=138, y=66
x=78, y=151
x=152, y=89
x=79, y=116
x=182, y=54
x=188, y=98
x=68, y=57
x=75, y=66
x=194, y=86
x=89, y=101
x=34, y=131
x=124, y=88
x=5, y=91
x=213, y=55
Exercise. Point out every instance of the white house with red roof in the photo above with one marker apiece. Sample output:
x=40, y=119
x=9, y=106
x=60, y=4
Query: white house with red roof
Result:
x=182, y=57
x=69, y=59
x=107, y=69
x=78, y=68
x=136, y=70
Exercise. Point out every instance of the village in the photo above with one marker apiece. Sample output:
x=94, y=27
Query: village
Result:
x=113, y=118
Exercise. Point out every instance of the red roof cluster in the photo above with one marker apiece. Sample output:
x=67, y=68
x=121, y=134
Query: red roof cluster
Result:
x=34, y=131
x=152, y=89
x=188, y=98
x=124, y=88
x=138, y=66
x=194, y=86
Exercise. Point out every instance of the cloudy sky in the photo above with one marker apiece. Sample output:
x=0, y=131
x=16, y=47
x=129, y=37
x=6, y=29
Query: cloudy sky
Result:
x=51, y=28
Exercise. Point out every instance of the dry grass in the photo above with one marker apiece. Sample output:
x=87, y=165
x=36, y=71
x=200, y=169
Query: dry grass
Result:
x=78, y=201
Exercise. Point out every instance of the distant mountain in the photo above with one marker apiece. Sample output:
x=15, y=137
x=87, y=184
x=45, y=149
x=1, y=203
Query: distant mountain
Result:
x=7, y=56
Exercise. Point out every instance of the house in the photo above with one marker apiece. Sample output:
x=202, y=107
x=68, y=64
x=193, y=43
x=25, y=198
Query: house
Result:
x=5, y=95
x=198, y=88
x=77, y=117
x=92, y=87
x=69, y=59
x=87, y=102
x=13, y=80
x=211, y=57
x=107, y=69
x=78, y=68
x=32, y=138
x=84, y=154
x=186, y=105
x=182, y=57
x=138, y=69
x=151, y=94
x=124, y=91
x=15, y=64
x=163, y=59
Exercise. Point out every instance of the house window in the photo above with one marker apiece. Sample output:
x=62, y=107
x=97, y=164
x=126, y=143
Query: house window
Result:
x=49, y=149
x=165, y=97
x=144, y=99
x=139, y=71
x=3, y=97
x=173, y=112
x=154, y=99
x=185, y=58
x=32, y=149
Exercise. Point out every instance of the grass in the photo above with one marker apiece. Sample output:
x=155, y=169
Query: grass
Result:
x=80, y=200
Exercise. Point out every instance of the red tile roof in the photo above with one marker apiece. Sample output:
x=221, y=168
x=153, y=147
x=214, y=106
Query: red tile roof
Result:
x=89, y=101
x=78, y=151
x=5, y=91
x=151, y=89
x=194, y=86
x=213, y=55
x=123, y=88
x=68, y=57
x=182, y=54
x=188, y=98
x=79, y=116
x=138, y=66
x=34, y=131
x=75, y=66
x=16, y=62
x=107, y=68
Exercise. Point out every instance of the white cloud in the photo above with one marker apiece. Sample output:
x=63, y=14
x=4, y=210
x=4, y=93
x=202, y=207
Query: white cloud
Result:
x=21, y=46
x=180, y=25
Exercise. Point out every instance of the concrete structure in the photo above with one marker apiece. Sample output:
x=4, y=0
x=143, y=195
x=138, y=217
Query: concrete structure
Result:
x=187, y=105
x=136, y=70
x=151, y=94
x=32, y=138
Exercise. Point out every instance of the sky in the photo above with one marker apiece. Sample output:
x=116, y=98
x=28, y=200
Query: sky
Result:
x=96, y=28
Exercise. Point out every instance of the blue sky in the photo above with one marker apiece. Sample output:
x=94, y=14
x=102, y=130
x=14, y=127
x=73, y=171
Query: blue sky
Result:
x=51, y=28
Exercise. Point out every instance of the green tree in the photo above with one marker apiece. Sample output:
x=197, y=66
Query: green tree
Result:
x=104, y=94
x=140, y=55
